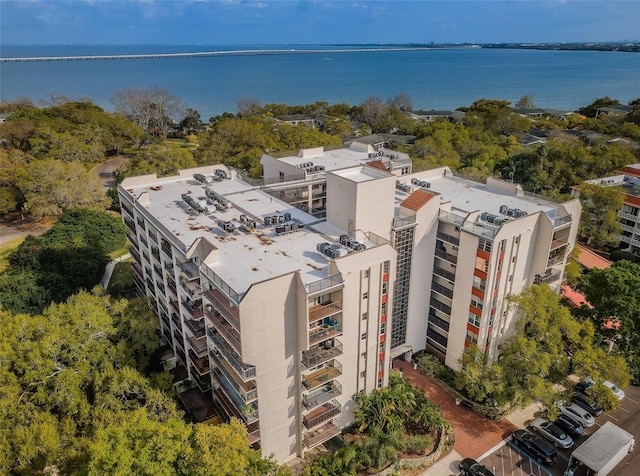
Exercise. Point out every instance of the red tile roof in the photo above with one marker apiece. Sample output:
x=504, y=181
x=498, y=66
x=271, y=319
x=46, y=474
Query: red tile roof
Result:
x=574, y=297
x=632, y=200
x=377, y=164
x=416, y=200
x=630, y=170
x=590, y=260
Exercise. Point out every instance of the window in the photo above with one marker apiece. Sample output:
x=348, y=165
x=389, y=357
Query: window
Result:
x=365, y=273
x=472, y=337
x=363, y=355
x=479, y=283
x=484, y=245
x=383, y=327
x=363, y=336
x=381, y=366
x=473, y=319
x=365, y=295
x=385, y=288
x=363, y=374
x=517, y=240
x=476, y=302
x=385, y=267
x=482, y=264
x=365, y=316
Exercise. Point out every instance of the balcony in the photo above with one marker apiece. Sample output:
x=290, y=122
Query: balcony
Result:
x=254, y=436
x=199, y=346
x=224, y=401
x=554, y=260
x=321, y=414
x=245, y=390
x=322, y=376
x=401, y=222
x=324, y=310
x=197, y=328
x=557, y=244
x=448, y=275
x=137, y=269
x=201, y=363
x=446, y=256
x=130, y=224
x=245, y=371
x=135, y=254
x=221, y=304
x=325, y=284
x=194, y=308
x=627, y=216
x=192, y=288
x=226, y=330
x=562, y=221
x=328, y=392
x=176, y=320
x=320, y=435
x=440, y=289
x=324, y=352
x=174, y=306
x=166, y=249
x=322, y=333
x=548, y=277
x=189, y=269
x=448, y=238
x=204, y=381
x=155, y=253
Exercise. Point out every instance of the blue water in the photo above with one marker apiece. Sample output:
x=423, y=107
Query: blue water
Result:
x=434, y=79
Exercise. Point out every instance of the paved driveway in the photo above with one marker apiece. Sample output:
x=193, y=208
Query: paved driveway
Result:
x=475, y=435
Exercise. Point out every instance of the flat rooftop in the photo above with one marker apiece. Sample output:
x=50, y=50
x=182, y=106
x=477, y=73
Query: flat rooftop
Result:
x=245, y=256
x=629, y=183
x=338, y=159
x=468, y=196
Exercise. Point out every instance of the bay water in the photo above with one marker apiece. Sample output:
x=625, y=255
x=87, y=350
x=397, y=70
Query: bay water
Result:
x=441, y=78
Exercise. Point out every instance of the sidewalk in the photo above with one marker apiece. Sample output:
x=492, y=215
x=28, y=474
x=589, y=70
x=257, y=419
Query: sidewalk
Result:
x=108, y=270
x=476, y=436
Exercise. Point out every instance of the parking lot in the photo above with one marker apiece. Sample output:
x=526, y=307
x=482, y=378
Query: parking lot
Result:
x=509, y=461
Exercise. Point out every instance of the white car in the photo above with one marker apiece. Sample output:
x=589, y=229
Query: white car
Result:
x=617, y=391
x=579, y=414
x=552, y=432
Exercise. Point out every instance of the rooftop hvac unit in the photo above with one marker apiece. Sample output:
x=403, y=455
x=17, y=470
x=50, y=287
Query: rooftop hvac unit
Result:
x=344, y=239
x=503, y=209
x=287, y=216
x=322, y=247
x=356, y=246
x=280, y=229
x=221, y=173
x=201, y=178
x=300, y=226
x=414, y=181
x=372, y=155
x=268, y=221
x=321, y=167
x=243, y=218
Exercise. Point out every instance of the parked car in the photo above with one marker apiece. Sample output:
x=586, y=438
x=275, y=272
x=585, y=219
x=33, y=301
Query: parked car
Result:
x=470, y=467
x=585, y=402
x=541, y=451
x=617, y=391
x=552, y=432
x=583, y=386
x=578, y=414
x=569, y=425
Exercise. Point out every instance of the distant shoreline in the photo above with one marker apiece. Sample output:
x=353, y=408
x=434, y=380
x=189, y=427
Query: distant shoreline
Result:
x=631, y=47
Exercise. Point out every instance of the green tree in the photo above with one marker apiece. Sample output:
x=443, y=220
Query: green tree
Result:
x=599, y=223
x=162, y=160
x=591, y=109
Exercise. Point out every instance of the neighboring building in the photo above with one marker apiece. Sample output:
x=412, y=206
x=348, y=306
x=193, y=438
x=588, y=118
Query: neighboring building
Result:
x=629, y=215
x=383, y=140
x=312, y=121
x=433, y=115
x=282, y=316
x=620, y=110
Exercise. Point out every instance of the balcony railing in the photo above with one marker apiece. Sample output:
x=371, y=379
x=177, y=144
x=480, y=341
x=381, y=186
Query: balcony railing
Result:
x=254, y=436
x=192, y=288
x=221, y=285
x=166, y=248
x=562, y=221
x=446, y=256
x=322, y=376
x=321, y=333
x=440, y=289
x=628, y=216
x=189, y=269
x=547, y=277
x=203, y=381
x=221, y=304
x=224, y=328
x=201, y=363
x=246, y=395
x=199, y=346
x=448, y=238
x=401, y=222
x=321, y=414
x=553, y=260
x=444, y=273
x=556, y=244
x=323, y=353
x=324, y=310
x=245, y=371
x=197, y=328
x=325, y=283
x=330, y=391
x=320, y=435
x=450, y=218
x=194, y=308
x=478, y=229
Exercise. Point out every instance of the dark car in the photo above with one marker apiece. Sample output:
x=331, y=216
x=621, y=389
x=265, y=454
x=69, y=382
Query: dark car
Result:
x=585, y=402
x=569, y=425
x=470, y=467
x=582, y=386
x=538, y=449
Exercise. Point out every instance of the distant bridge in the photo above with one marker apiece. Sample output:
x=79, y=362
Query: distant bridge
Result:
x=212, y=53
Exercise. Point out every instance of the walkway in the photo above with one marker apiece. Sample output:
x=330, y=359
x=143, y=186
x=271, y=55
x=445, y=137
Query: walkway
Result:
x=108, y=271
x=476, y=436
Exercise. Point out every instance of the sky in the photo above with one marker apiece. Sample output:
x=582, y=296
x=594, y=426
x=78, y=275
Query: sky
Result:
x=249, y=22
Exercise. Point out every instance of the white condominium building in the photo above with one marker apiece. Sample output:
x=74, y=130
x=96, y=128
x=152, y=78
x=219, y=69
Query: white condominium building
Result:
x=628, y=179
x=285, y=298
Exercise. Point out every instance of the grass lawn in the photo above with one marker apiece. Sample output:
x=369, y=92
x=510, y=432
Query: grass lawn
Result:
x=6, y=249
x=121, y=279
x=120, y=251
